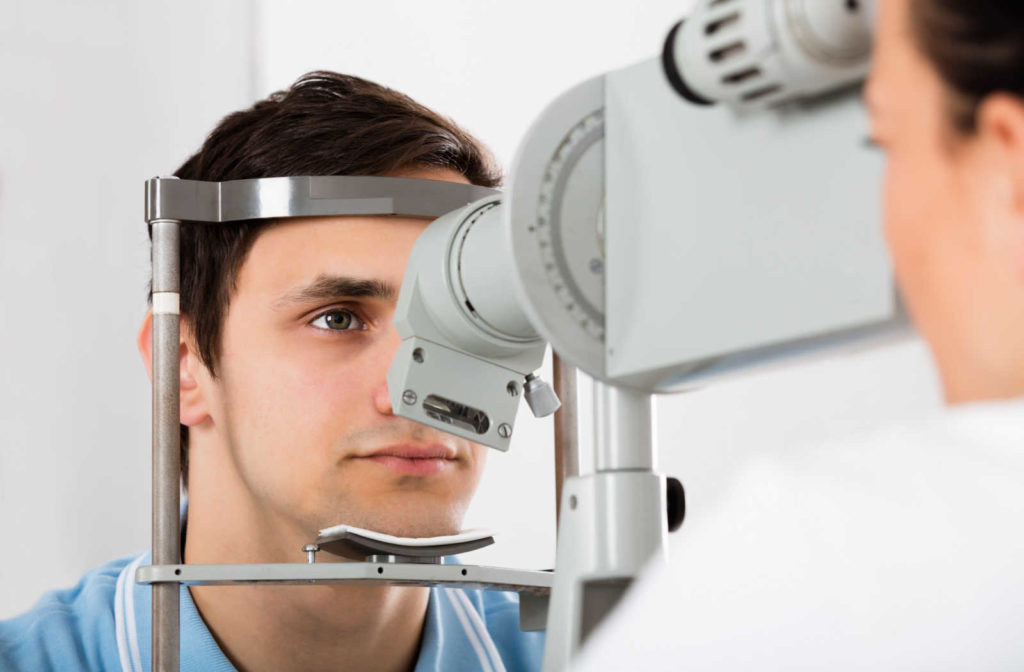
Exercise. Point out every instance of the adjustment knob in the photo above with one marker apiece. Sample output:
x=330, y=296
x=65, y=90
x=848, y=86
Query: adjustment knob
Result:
x=540, y=397
x=676, y=501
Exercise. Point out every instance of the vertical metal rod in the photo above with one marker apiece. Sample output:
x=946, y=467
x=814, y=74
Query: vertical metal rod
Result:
x=166, y=441
x=567, y=444
x=623, y=429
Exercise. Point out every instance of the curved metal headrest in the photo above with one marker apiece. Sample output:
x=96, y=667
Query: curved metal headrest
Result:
x=168, y=198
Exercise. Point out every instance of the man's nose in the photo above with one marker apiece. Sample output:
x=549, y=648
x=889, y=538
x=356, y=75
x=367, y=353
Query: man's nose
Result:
x=386, y=353
x=381, y=400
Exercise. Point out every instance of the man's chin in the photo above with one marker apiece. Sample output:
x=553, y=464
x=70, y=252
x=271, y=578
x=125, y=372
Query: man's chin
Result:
x=398, y=523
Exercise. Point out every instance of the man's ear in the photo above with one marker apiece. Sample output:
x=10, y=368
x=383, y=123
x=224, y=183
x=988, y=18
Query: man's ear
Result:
x=1001, y=126
x=193, y=377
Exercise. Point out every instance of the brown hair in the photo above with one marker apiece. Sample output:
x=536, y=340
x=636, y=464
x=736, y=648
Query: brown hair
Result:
x=977, y=47
x=324, y=124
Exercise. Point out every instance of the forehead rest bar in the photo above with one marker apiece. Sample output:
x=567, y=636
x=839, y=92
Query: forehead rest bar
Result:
x=274, y=197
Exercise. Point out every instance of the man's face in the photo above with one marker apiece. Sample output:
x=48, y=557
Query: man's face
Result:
x=301, y=403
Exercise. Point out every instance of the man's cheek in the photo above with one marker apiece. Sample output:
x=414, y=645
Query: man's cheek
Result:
x=321, y=385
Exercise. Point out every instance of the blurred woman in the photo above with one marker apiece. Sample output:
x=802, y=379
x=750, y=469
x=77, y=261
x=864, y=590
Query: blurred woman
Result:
x=902, y=550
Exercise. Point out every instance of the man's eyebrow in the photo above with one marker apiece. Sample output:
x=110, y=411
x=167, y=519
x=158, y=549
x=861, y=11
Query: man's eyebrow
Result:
x=334, y=287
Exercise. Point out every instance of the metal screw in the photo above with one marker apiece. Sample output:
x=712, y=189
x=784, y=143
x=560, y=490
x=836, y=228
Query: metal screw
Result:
x=310, y=550
x=504, y=430
x=596, y=266
x=409, y=397
x=417, y=355
x=513, y=389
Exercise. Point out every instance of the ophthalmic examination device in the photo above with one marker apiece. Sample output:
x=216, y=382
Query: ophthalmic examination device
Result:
x=701, y=214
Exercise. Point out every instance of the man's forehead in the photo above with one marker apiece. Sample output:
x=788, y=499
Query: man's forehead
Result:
x=361, y=228
x=312, y=256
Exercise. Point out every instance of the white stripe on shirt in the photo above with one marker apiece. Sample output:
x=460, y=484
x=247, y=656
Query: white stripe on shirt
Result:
x=481, y=629
x=129, y=600
x=119, y=630
x=471, y=635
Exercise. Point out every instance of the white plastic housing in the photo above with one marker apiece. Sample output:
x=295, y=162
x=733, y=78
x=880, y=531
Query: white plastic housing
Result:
x=763, y=52
x=459, y=276
x=459, y=369
x=736, y=241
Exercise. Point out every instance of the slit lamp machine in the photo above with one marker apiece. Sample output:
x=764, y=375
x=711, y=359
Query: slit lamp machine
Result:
x=702, y=214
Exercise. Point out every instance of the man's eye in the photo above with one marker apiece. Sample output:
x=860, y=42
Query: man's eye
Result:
x=338, y=320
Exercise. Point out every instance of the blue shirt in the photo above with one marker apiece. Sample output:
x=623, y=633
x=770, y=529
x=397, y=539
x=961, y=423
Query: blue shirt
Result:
x=104, y=623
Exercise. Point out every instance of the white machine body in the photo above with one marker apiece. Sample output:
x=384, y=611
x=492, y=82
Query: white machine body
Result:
x=462, y=368
x=658, y=242
x=736, y=239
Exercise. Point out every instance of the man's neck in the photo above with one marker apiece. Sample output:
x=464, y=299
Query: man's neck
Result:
x=283, y=628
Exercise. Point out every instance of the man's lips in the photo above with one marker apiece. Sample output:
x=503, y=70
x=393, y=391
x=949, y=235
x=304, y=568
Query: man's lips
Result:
x=416, y=460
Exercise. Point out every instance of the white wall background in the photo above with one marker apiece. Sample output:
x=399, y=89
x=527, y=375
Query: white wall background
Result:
x=92, y=92
x=95, y=97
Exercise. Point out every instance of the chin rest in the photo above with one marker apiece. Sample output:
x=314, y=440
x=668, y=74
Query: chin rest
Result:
x=358, y=544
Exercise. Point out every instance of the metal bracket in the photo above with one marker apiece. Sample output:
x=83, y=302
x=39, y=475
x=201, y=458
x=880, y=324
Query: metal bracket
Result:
x=400, y=574
x=534, y=587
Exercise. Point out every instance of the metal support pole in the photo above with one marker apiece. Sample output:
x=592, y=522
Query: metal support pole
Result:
x=567, y=447
x=166, y=441
x=612, y=522
x=623, y=429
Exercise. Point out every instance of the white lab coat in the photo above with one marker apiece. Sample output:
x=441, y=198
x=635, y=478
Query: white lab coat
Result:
x=902, y=550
